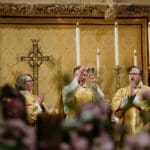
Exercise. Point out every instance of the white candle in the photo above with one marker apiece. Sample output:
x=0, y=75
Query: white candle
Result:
x=149, y=41
x=77, y=44
x=116, y=44
x=98, y=63
x=135, y=58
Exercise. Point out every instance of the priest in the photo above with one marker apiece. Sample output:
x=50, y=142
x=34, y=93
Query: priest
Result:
x=79, y=92
x=127, y=102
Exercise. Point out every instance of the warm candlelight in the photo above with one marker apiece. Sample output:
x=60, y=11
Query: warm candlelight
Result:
x=116, y=44
x=98, y=63
x=135, y=58
x=77, y=44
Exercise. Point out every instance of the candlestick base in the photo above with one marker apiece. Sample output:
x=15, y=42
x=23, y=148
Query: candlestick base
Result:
x=117, y=73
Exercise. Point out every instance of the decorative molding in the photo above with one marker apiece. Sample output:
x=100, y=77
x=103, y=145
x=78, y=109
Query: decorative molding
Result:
x=69, y=10
x=13, y=9
x=136, y=11
x=50, y=10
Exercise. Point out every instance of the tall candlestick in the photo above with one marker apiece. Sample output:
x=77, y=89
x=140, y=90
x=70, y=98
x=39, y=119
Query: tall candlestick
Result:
x=135, y=58
x=77, y=44
x=98, y=63
x=116, y=44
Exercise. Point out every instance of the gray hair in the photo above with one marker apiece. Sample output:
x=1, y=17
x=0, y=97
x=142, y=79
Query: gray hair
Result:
x=21, y=81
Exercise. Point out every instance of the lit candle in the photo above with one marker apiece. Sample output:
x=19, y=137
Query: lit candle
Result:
x=116, y=46
x=98, y=63
x=77, y=44
x=149, y=40
x=135, y=58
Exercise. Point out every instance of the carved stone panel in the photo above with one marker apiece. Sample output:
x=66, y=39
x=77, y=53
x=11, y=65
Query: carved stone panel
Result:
x=72, y=10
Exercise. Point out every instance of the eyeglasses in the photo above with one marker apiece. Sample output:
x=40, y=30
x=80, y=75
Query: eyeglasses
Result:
x=29, y=80
x=134, y=74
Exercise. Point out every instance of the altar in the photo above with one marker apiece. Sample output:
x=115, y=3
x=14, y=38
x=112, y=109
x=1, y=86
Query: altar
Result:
x=55, y=27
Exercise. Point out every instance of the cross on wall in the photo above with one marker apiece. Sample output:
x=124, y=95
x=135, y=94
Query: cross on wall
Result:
x=35, y=58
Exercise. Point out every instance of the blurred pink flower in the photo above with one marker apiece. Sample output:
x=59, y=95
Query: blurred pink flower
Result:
x=139, y=142
x=92, y=129
x=86, y=127
x=103, y=142
x=146, y=95
x=64, y=146
x=144, y=139
x=79, y=143
x=19, y=128
x=98, y=111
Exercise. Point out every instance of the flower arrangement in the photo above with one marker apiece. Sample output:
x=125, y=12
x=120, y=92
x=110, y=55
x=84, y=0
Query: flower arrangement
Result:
x=92, y=129
x=16, y=135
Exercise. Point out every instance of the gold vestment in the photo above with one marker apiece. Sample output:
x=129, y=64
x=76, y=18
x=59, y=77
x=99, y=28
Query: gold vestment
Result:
x=31, y=106
x=81, y=96
x=131, y=118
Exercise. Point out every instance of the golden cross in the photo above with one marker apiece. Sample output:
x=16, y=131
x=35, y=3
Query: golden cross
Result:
x=35, y=59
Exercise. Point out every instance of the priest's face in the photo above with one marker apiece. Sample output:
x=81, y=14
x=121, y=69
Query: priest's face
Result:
x=29, y=84
x=134, y=77
x=83, y=77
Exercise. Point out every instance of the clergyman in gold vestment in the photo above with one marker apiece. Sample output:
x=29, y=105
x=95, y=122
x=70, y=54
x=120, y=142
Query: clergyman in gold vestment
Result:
x=79, y=92
x=34, y=103
x=120, y=100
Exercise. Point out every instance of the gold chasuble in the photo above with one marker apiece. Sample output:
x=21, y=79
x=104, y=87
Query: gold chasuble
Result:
x=84, y=95
x=81, y=96
x=31, y=106
x=131, y=118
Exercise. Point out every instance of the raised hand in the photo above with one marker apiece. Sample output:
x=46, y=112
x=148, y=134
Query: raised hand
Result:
x=40, y=98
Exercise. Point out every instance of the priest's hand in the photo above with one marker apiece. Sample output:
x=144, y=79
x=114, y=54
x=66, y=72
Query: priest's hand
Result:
x=131, y=91
x=40, y=98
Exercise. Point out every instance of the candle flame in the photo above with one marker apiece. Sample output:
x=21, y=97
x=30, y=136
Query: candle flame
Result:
x=77, y=24
x=135, y=52
x=98, y=51
x=116, y=24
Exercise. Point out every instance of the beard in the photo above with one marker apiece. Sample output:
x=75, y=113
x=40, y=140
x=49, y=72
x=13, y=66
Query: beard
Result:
x=133, y=83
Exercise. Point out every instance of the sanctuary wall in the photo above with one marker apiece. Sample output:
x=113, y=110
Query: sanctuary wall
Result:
x=57, y=38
